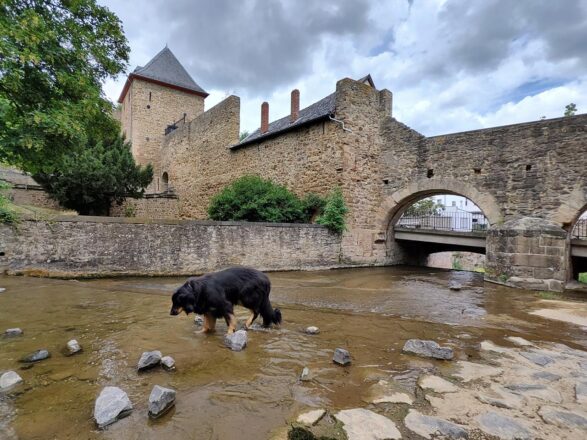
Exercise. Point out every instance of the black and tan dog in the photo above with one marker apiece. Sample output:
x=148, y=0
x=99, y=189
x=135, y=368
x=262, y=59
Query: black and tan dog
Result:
x=214, y=295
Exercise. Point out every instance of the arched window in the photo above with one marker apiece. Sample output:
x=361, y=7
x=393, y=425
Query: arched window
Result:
x=165, y=182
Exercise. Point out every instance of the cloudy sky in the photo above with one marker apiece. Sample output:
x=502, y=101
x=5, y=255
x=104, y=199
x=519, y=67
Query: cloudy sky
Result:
x=452, y=65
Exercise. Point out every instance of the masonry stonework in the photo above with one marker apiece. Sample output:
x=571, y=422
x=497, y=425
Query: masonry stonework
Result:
x=103, y=246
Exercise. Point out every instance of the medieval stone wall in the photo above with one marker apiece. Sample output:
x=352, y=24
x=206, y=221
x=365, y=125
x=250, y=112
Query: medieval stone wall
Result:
x=32, y=197
x=103, y=246
x=155, y=207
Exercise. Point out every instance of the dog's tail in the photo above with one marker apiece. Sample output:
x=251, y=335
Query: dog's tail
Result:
x=269, y=314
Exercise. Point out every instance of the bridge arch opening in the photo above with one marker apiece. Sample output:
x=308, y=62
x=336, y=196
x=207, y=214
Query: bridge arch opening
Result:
x=439, y=229
x=578, y=248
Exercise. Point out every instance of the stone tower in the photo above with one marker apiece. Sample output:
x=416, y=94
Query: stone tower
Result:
x=153, y=98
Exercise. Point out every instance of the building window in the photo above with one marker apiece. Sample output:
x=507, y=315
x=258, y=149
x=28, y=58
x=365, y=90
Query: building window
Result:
x=165, y=182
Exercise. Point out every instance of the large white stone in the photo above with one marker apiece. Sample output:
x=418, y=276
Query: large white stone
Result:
x=562, y=418
x=500, y=397
x=160, y=401
x=395, y=398
x=11, y=332
x=311, y=417
x=469, y=371
x=436, y=384
x=538, y=391
x=111, y=405
x=73, y=347
x=433, y=427
x=521, y=342
x=168, y=363
x=9, y=379
x=362, y=424
x=427, y=349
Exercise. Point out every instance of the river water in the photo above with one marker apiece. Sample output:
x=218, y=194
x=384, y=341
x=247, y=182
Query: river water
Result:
x=241, y=395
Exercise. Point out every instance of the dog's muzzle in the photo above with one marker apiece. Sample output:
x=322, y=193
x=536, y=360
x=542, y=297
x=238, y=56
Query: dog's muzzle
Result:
x=175, y=311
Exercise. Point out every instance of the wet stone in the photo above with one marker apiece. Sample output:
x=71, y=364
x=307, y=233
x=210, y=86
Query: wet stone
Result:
x=168, y=363
x=503, y=427
x=341, y=357
x=362, y=424
x=12, y=332
x=73, y=347
x=455, y=286
x=535, y=390
x=538, y=359
x=236, y=341
x=9, y=379
x=198, y=320
x=305, y=376
x=436, y=384
x=36, y=356
x=395, y=398
x=545, y=375
x=581, y=392
x=111, y=405
x=469, y=371
x=427, y=349
x=310, y=418
x=563, y=419
x=161, y=400
x=433, y=427
x=149, y=359
x=2, y=289
x=521, y=342
x=312, y=330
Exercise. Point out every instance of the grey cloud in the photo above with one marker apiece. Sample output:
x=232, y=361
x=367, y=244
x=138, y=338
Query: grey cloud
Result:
x=481, y=34
x=256, y=45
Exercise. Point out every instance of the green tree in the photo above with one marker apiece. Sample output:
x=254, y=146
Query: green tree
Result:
x=7, y=213
x=335, y=210
x=424, y=207
x=570, y=109
x=255, y=199
x=92, y=179
x=54, y=55
x=244, y=134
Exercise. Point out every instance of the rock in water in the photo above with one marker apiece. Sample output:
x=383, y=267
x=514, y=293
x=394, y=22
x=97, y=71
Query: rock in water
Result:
x=9, y=379
x=73, y=347
x=160, y=401
x=455, y=287
x=198, y=320
x=149, y=359
x=305, y=376
x=312, y=330
x=111, y=405
x=236, y=341
x=341, y=357
x=11, y=332
x=427, y=349
x=2, y=289
x=168, y=363
x=36, y=356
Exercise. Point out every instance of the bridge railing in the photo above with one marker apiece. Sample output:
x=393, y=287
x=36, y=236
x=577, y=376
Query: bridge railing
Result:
x=459, y=221
x=580, y=229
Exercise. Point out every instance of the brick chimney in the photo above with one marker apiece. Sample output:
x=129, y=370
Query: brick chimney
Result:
x=295, y=105
x=264, y=117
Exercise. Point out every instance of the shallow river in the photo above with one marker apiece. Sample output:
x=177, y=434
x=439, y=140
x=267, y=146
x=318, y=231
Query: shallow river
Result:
x=241, y=395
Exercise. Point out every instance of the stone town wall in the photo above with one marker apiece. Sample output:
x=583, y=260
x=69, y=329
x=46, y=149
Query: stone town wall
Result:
x=150, y=207
x=99, y=246
x=200, y=163
x=32, y=196
x=147, y=109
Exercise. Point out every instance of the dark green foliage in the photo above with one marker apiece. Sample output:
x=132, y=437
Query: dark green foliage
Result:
x=254, y=199
x=7, y=214
x=334, y=212
x=243, y=135
x=90, y=180
x=312, y=205
x=571, y=109
x=424, y=207
x=54, y=56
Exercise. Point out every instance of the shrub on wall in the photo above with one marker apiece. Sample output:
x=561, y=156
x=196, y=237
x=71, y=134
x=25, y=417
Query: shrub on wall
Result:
x=335, y=209
x=254, y=199
x=7, y=214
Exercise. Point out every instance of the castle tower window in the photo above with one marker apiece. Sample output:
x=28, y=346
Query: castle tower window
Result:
x=165, y=182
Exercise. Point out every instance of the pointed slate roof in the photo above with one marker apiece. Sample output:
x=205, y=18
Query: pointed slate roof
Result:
x=164, y=69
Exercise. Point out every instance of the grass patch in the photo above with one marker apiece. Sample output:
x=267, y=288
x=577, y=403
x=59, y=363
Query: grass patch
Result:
x=548, y=295
x=583, y=277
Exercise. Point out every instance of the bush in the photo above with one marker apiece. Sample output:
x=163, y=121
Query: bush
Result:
x=333, y=216
x=254, y=199
x=313, y=205
x=7, y=214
